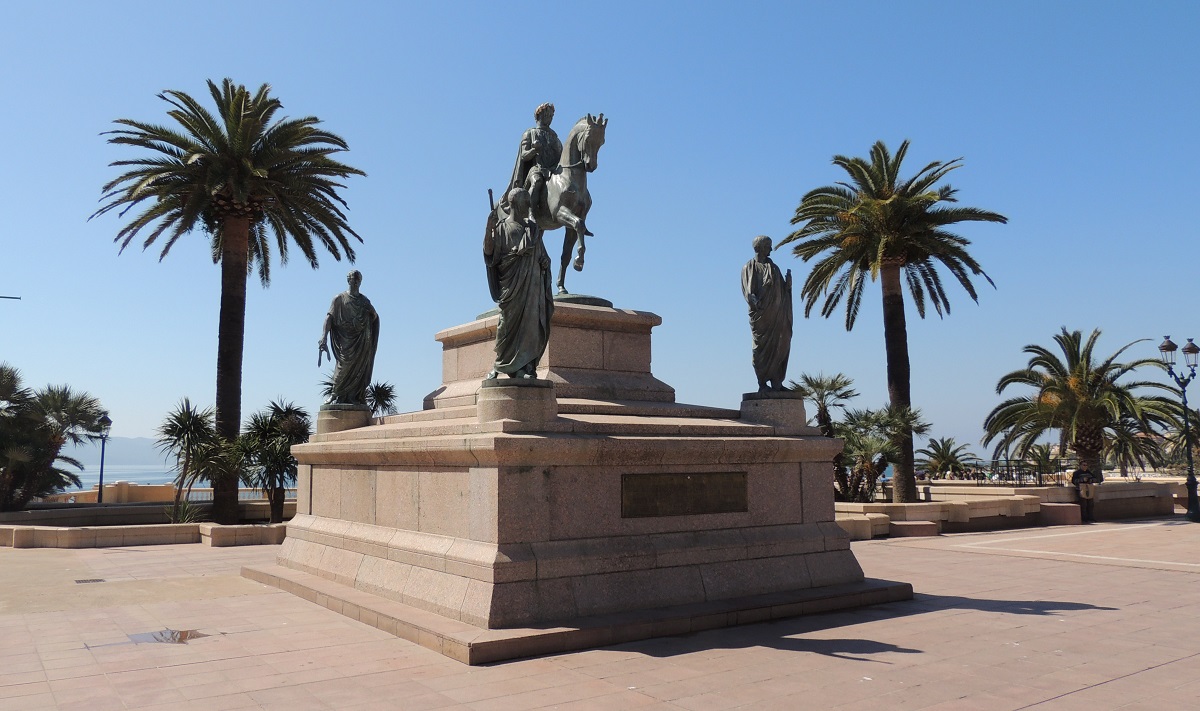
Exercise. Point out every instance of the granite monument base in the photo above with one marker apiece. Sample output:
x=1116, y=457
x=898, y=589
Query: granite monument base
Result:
x=523, y=523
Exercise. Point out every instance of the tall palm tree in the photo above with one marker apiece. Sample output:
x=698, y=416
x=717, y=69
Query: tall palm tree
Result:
x=381, y=398
x=879, y=227
x=267, y=443
x=1084, y=396
x=241, y=176
x=944, y=456
x=182, y=435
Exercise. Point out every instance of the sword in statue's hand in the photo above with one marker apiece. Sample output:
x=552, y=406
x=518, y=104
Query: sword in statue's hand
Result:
x=322, y=349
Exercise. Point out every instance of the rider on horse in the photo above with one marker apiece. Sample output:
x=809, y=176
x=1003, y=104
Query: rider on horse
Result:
x=537, y=158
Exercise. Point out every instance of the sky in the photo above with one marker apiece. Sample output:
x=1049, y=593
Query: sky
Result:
x=1076, y=120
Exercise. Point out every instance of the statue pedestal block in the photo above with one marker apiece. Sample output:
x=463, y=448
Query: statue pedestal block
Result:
x=519, y=399
x=594, y=352
x=783, y=409
x=336, y=418
x=496, y=529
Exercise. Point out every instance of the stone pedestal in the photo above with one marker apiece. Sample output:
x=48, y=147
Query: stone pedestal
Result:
x=594, y=352
x=335, y=418
x=489, y=527
x=783, y=409
x=518, y=399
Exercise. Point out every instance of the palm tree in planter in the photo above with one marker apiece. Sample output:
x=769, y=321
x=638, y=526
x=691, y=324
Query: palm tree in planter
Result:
x=186, y=434
x=944, y=456
x=1087, y=398
x=879, y=227
x=267, y=447
x=828, y=393
x=242, y=176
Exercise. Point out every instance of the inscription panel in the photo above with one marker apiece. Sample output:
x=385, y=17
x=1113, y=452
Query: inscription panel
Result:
x=646, y=495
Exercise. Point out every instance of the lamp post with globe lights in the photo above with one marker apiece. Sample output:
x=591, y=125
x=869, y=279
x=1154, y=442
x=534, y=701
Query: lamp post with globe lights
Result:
x=1167, y=351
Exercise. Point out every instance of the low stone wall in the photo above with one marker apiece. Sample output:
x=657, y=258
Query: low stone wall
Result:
x=960, y=508
x=146, y=535
x=218, y=536
x=125, y=514
x=980, y=514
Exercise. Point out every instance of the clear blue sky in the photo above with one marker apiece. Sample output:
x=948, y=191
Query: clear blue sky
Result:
x=1077, y=120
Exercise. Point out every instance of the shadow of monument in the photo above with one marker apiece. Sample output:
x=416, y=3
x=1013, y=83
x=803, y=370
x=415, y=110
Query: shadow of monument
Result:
x=788, y=635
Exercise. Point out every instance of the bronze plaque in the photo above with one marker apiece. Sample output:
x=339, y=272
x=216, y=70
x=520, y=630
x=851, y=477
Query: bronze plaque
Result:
x=644, y=495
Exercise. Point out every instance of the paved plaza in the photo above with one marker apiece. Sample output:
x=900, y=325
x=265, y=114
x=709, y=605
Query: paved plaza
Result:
x=1092, y=617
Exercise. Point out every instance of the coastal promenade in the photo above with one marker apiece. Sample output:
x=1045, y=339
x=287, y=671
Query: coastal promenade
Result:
x=1092, y=617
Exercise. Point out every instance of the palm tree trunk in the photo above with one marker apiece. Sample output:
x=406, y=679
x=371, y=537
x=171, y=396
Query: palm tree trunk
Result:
x=235, y=252
x=895, y=338
x=276, y=498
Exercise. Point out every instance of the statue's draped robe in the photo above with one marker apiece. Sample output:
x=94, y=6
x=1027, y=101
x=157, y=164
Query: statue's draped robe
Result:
x=771, y=321
x=354, y=334
x=526, y=300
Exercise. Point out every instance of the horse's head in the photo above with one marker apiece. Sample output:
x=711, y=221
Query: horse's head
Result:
x=589, y=136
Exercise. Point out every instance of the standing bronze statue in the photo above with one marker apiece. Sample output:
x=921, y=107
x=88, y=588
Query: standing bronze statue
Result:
x=555, y=175
x=519, y=278
x=769, y=295
x=352, y=328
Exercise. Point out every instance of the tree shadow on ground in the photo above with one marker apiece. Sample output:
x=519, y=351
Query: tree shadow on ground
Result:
x=790, y=634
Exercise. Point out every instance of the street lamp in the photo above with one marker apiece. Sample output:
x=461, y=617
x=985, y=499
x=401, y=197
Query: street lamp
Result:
x=1166, y=351
x=105, y=426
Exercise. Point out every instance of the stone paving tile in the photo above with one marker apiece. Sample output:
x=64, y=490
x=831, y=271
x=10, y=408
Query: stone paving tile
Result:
x=1094, y=617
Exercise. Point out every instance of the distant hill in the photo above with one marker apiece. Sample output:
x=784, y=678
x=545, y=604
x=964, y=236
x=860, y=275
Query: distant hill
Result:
x=120, y=451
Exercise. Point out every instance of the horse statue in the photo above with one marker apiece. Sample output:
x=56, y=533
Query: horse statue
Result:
x=567, y=199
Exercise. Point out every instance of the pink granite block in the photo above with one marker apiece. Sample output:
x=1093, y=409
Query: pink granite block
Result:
x=833, y=568
x=358, y=495
x=396, y=499
x=691, y=547
x=816, y=479
x=483, y=506
x=616, y=592
x=755, y=577
x=326, y=491
x=523, y=505
x=435, y=591
x=627, y=351
x=385, y=578
x=575, y=348
x=443, y=502
x=303, y=488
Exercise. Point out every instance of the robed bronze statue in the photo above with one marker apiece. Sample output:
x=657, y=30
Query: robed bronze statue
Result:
x=769, y=295
x=519, y=278
x=554, y=174
x=352, y=328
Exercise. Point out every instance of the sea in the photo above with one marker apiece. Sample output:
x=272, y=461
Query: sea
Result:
x=133, y=473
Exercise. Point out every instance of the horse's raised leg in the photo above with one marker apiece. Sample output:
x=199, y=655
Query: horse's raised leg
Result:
x=575, y=228
x=568, y=247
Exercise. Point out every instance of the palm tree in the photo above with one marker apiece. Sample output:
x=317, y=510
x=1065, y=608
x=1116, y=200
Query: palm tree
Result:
x=240, y=176
x=880, y=227
x=381, y=398
x=183, y=434
x=944, y=456
x=825, y=392
x=1079, y=394
x=35, y=427
x=267, y=444
x=871, y=437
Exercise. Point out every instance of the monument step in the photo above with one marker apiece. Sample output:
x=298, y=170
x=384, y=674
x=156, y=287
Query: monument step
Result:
x=475, y=645
x=632, y=408
x=573, y=424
